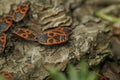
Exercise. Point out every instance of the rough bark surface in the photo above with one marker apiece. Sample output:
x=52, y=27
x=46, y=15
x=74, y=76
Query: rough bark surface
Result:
x=90, y=39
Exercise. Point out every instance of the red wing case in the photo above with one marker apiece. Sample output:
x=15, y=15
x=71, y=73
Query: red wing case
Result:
x=55, y=36
x=25, y=34
x=5, y=23
x=21, y=11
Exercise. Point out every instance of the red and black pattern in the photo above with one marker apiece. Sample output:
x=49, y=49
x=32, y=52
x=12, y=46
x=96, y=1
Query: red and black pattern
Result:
x=55, y=36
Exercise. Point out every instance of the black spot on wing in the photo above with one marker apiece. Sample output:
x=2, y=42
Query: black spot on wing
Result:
x=22, y=6
x=57, y=38
x=51, y=34
x=50, y=40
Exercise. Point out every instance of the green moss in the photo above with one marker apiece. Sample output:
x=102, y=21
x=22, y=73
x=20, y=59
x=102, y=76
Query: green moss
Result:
x=72, y=74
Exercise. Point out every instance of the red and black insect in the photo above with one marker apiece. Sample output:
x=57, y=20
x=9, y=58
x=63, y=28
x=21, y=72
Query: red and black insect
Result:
x=2, y=42
x=51, y=37
x=21, y=11
x=5, y=23
x=55, y=36
x=25, y=34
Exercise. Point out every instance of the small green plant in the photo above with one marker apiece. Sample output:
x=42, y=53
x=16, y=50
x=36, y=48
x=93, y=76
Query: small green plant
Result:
x=72, y=74
x=103, y=13
x=3, y=78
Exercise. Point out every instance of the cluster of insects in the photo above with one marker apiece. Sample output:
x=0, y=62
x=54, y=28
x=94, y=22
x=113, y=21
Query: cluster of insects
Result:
x=53, y=36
